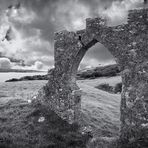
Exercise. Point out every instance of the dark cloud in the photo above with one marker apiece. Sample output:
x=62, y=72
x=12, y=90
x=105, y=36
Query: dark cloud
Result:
x=35, y=21
x=49, y=12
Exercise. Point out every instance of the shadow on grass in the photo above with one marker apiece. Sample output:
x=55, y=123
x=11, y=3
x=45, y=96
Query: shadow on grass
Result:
x=20, y=128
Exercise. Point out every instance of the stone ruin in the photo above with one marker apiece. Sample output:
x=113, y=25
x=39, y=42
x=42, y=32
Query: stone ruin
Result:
x=128, y=43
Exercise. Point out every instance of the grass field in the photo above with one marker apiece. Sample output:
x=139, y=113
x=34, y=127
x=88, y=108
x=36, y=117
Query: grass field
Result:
x=101, y=110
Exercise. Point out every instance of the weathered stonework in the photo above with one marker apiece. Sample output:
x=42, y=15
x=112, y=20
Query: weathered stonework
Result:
x=128, y=43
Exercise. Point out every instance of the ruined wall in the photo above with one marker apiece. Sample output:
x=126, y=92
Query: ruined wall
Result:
x=128, y=43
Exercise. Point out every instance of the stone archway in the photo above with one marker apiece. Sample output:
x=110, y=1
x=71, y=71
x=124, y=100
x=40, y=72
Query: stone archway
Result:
x=128, y=44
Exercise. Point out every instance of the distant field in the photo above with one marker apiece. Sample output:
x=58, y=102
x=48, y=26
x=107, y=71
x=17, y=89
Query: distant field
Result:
x=19, y=90
x=100, y=109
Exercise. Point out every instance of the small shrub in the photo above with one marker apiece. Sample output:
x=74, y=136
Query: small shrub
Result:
x=118, y=88
x=105, y=87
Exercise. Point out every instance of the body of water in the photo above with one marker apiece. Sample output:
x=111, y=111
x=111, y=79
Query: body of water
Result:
x=9, y=75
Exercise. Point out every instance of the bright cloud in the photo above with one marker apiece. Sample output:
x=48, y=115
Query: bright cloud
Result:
x=20, y=15
x=38, y=65
x=21, y=46
x=5, y=63
x=118, y=11
x=72, y=15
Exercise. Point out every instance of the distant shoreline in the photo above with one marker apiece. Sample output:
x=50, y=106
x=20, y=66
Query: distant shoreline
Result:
x=18, y=70
x=4, y=76
x=104, y=71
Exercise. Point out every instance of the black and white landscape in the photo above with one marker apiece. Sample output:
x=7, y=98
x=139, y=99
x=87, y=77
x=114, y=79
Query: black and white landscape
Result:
x=27, y=30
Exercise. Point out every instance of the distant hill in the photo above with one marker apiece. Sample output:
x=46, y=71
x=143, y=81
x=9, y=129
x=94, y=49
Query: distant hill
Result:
x=103, y=71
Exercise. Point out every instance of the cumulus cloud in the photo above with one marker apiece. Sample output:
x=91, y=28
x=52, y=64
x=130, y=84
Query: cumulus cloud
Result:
x=72, y=15
x=118, y=11
x=5, y=63
x=31, y=24
x=27, y=42
x=38, y=65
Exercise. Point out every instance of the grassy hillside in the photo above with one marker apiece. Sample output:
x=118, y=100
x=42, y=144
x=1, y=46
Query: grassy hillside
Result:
x=24, y=125
x=102, y=71
x=100, y=112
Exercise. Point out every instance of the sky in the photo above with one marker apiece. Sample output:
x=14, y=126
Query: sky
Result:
x=27, y=29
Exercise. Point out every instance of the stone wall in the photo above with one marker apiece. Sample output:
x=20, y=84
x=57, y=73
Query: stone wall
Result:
x=128, y=43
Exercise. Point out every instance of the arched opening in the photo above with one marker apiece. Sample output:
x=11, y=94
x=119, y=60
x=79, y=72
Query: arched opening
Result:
x=97, y=55
x=100, y=82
